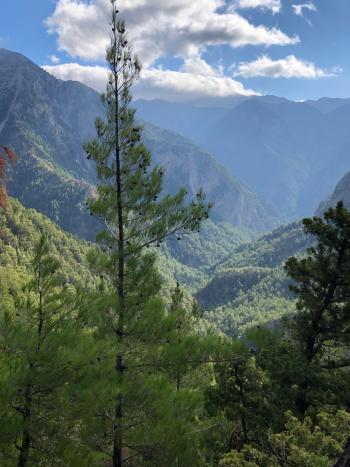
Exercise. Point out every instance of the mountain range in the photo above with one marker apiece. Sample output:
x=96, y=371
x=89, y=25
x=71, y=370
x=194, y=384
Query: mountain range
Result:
x=47, y=120
x=290, y=153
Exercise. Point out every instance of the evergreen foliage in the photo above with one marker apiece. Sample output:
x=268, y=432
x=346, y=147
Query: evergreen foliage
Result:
x=39, y=340
x=322, y=286
x=130, y=317
x=302, y=444
x=105, y=359
x=21, y=230
x=300, y=371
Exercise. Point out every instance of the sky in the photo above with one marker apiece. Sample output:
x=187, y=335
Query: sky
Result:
x=297, y=49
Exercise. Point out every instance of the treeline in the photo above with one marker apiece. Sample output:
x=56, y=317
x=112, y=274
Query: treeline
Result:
x=106, y=372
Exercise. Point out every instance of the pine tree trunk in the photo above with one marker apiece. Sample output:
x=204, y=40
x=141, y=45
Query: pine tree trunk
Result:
x=344, y=459
x=26, y=438
x=241, y=391
x=118, y=422
x=27, y=411
x=118, y=438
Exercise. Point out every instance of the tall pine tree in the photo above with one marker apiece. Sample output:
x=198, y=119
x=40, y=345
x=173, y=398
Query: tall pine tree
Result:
x=136, y=217
x=322, y=285
x=39, y=346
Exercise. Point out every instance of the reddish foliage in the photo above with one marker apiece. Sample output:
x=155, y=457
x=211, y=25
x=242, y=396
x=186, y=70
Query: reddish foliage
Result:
x=11, y=155
x=3, y=197
x=11, y=159
x=2, y=167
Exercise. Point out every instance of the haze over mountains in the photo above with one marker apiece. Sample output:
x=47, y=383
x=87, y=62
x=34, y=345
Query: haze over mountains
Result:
x=340, y=193
x=291, y=154
x=47, y=121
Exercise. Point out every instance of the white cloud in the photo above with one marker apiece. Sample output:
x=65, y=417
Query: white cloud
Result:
x=298, y=9
x=174, y=85
x=93, y=76
x=274, y=5
x=198, y=66
x=289, y=67
x=156, y=83
x=54, y=59
x=158, y=28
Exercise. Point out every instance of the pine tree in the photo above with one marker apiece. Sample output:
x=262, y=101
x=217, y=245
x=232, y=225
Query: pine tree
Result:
x=38, y=345
x=189, y=344
x=302, y=444
x=242, y=400
x=136, y=217
x=188, y=350
x=322, y=286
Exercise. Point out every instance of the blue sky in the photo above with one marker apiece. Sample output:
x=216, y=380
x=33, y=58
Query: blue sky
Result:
x=293, y=48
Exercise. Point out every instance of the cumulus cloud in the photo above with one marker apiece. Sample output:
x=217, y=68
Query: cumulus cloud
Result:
x=54, y=59
x=289, y=67
x=159, y=28
x=93, y=76
x=198, y=66
x=174, y=85
x=274, y=5
x=298, y=9
x=157, y=83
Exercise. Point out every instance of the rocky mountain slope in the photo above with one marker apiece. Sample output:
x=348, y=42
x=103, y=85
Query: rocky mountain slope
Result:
x=47, y=120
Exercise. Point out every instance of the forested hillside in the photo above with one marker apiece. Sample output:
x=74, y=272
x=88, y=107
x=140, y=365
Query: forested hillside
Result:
x=21, y=229
x=236, y=286
x=48, y=120
x=250, y=286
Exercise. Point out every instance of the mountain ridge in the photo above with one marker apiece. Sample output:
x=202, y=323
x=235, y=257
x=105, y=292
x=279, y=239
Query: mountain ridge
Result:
x=47, y=121
x=250, y=284
x=290, y=153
